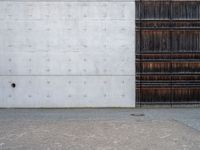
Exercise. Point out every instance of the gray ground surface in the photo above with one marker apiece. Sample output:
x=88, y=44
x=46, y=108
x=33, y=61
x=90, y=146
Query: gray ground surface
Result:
x=100, y=129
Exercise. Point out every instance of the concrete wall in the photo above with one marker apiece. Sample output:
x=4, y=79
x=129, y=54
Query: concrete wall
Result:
x=67, y=54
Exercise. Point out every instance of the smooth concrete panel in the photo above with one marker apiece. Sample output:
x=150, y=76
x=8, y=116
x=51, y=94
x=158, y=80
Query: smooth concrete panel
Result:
x=67, y=91
x=63, y=41
x=72, y=63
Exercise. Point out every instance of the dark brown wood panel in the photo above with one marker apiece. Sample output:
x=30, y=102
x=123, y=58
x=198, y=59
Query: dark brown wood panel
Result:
x=167, y=52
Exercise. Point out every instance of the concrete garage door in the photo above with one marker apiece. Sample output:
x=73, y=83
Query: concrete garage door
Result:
x=67, y=54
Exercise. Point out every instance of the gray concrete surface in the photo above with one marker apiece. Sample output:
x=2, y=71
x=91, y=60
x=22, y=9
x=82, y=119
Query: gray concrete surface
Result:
x=67, y=53
x=100, y=129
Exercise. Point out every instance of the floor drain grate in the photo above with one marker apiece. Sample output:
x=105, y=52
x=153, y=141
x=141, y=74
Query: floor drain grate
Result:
x=137, y=115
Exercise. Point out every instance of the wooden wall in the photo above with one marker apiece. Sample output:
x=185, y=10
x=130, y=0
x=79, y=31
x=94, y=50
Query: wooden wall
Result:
x=167, y=52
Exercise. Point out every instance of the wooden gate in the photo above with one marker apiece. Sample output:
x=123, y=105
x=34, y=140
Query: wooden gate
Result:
x=167, y=52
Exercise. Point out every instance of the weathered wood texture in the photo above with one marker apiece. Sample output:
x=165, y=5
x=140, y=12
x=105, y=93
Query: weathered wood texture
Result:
x=168, y=52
